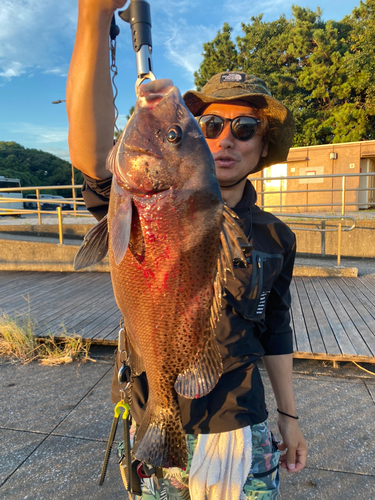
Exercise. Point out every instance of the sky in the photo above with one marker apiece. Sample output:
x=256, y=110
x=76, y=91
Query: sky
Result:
x=36, y=43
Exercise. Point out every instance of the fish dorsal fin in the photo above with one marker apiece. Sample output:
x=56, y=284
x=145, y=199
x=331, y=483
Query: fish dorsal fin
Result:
x=230, y=249
x=204, y=373
x=94, y=247
x=120, y=229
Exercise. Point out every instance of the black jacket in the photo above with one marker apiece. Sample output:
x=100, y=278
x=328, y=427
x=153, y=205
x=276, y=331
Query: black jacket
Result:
x=254, y=322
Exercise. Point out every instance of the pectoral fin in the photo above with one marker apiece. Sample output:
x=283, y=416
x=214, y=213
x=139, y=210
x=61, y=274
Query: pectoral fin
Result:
x=94, y=247
x=120, y=229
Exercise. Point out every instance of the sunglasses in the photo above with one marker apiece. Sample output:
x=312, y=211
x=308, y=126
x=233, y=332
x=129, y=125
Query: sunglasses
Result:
x=243, y=128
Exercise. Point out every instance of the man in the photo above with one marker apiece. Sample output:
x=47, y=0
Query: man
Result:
x=246, y=130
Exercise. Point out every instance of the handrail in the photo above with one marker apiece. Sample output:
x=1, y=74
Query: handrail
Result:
x=320, y=217
x=324, y=229
x=333, y=202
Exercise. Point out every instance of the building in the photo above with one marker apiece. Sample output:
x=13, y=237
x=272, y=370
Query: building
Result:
x=316, y=194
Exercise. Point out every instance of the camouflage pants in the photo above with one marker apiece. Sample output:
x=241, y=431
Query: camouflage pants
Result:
x=262, y=482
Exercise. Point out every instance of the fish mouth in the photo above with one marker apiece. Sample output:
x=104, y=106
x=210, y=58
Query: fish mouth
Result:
x=147, y=152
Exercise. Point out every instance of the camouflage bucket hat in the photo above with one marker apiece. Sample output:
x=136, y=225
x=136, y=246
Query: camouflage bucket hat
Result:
x=230, y=86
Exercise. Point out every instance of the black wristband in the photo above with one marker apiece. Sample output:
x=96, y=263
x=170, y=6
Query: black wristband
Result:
x=286, y=414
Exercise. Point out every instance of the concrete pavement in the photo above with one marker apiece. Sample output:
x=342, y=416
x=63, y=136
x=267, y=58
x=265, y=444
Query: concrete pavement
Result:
x=55, y=422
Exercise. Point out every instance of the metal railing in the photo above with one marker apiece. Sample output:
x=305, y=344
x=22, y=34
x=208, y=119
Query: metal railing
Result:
x=323, y=229
x=261, y=182
x=261, y=186
x=75, y=201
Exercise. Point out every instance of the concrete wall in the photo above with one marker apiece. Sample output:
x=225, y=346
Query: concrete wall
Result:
x=360, y=242
x=34, y=256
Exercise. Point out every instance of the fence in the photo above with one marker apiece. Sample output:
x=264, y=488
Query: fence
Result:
x=358, y=194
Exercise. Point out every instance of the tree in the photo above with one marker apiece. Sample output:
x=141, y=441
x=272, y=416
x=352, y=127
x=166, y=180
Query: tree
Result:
x=36, y=168
x=219, y=55
x=322, y=70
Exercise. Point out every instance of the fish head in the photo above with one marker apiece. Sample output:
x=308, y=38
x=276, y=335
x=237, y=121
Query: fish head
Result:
x=162, y=146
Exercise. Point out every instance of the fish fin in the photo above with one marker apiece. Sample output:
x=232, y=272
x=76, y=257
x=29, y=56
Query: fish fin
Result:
x=111, y=158
x=157, y=441
x=120, y=230
x=94, y=247
x=201, y=376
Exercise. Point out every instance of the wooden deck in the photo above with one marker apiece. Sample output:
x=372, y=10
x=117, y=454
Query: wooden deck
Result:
x=332, y=318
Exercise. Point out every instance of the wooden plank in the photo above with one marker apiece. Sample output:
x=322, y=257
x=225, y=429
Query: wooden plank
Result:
x=331, y=357
x=110, y=319
x=70, y=314
x=112, y=337
x=302, y=339
x=47, y=301
x=85, y=302
x=352, y=322
x=108, y=336
x=342, y=339
x=43, y=289
x=8, y=278
x=368, y=333
x=326, y=331
x=317, y=344
x=369, y=283
x=94, y=311
x=67, y=302
x=16, y=288
x=366, y=293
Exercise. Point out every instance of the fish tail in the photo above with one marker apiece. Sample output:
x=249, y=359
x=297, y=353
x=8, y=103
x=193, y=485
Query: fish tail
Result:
x=160, y=439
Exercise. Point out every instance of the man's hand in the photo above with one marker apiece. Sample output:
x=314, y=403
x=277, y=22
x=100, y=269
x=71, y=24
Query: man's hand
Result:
x=294, y=443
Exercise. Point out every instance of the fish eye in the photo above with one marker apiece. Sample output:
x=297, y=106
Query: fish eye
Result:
x=174, y=134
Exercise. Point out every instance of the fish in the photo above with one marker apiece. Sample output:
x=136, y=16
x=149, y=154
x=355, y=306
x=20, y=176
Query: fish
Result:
x=171, y=240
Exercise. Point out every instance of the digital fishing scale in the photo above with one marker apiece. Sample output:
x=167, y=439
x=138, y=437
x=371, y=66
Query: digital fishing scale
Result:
x=138, y=15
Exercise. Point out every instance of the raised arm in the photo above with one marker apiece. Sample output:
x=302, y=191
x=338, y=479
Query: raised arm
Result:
x=89, y=97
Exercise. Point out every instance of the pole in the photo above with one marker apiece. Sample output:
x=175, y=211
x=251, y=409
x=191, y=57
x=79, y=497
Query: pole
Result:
x=74, y=193
x=59, y=216
x=340, y=225
x=38, y=207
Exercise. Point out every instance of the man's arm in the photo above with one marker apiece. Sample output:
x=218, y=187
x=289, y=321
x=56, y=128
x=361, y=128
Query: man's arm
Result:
x=89, y=97
x=279, y=369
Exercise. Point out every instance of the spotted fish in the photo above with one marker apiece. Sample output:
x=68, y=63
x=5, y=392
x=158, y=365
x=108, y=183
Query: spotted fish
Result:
x=171, y=240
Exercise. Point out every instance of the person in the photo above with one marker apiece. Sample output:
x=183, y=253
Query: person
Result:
x=246, y=130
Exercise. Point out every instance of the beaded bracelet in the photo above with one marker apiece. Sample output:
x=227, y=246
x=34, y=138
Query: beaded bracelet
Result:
x=286, y=414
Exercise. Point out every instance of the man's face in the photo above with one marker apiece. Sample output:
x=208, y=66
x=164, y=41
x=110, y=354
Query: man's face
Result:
x=233, y=158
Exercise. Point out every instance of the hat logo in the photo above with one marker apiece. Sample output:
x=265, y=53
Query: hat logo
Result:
x=232, y=77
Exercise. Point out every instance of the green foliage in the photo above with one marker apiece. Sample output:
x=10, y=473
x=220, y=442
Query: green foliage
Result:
x=36, y=168
x=220, y=55
x=322, y=70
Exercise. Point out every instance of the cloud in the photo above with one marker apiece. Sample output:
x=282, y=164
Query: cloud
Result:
x=11, y=69
x=34, y=35
x=60, y=152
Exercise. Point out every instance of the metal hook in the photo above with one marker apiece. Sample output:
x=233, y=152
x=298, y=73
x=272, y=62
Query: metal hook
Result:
x=138, y=83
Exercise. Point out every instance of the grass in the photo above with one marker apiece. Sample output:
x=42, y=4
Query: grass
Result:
x=18, y=343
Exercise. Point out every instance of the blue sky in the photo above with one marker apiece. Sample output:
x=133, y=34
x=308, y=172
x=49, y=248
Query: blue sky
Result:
x=36, y=42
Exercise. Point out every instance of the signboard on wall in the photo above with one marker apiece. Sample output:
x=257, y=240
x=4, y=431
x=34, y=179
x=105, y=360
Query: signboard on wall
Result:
x=312, y=172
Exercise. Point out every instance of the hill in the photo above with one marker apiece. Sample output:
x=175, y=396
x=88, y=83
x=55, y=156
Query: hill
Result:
x=36, y=168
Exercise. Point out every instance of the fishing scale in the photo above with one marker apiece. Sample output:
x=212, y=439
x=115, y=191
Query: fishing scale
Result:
x=138, y=15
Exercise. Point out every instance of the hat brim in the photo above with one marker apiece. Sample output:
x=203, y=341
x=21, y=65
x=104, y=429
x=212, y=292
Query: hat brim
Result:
x=280, y=120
